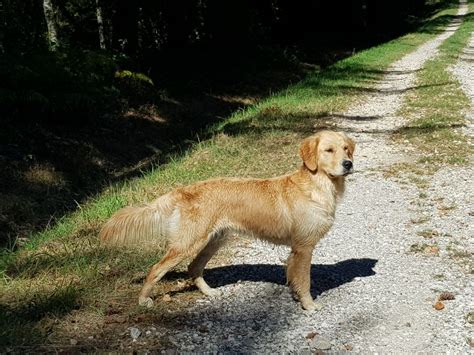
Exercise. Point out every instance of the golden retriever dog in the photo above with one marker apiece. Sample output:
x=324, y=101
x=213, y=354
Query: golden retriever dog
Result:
x=296, y=210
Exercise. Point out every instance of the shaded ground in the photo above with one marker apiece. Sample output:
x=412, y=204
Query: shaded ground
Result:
x=48, y=167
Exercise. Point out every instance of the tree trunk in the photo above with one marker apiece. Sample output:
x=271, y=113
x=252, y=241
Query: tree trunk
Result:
x=51, y=23
x=100, y=23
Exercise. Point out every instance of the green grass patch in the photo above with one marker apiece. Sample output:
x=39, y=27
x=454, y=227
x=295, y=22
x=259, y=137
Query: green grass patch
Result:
x=436, y=107
x=62, y=276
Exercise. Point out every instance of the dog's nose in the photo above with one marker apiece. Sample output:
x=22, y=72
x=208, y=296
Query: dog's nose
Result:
x=347, y=164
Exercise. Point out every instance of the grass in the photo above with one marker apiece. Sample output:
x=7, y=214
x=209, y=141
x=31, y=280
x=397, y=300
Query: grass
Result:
x=60, y=284
x=428, y=233
x=420, y=220
x=435, y=109
x=461, y=255
x=428, y=249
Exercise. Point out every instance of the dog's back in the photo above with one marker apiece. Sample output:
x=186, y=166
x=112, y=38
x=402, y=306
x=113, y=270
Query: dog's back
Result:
x=255, y=206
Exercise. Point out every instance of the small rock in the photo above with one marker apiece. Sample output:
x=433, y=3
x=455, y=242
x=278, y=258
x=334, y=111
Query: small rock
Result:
x=446, y=296
x=349, y=347
x=438, y=306
x=470, y=317
x=73, y=342
x=203, y=328
x=135, y=333
x=320, y=343
x=470, y=341
x=166, y=298
x=431, y=249
x=181, y=283
x=311, y=335
x=256, y=327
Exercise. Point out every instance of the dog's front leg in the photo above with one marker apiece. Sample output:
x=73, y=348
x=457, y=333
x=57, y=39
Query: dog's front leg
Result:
x=298, y=274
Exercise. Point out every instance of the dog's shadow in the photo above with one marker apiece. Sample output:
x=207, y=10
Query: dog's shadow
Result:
x=323, y=276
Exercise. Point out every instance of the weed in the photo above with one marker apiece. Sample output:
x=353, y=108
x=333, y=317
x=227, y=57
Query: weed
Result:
x=429, y=249
x=445, y=209
x=428, y=233
x=420, y=220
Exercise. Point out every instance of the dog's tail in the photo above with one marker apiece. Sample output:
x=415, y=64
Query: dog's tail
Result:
x=137, y=226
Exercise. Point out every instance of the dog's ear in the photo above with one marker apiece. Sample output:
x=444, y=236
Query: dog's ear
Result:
x=309, y=152
x=351, y=145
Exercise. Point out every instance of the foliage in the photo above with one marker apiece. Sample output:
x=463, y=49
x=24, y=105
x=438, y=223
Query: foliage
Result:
x=136, y=87
x=68, y=84
x=58, y=84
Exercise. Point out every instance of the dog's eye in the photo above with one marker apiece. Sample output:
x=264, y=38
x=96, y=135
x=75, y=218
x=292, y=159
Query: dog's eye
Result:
x=346, y=148
x=330, y=150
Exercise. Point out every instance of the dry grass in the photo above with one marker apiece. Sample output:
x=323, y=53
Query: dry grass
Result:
x=428, y=233
x=420, y=220
x=426, y=249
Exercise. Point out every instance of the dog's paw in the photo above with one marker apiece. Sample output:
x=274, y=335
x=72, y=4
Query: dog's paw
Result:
x=204, y=288
x=145, y=302
x=211, y=292
x=310, y=305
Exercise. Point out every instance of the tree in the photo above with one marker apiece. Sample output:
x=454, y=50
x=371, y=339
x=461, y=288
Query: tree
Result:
x=100, y=24
x=49, y=15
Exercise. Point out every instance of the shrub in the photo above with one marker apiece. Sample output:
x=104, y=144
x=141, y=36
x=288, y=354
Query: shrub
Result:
x=57, y=85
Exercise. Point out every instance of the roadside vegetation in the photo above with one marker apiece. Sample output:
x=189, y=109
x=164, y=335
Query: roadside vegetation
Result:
x=60, y=287
x=436, y=107
x=435, y=110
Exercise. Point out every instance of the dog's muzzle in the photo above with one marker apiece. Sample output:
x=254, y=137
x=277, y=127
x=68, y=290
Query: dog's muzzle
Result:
x=348, y=167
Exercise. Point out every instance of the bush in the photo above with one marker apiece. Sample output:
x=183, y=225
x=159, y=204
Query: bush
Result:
x=136, y=88
x=53, y=85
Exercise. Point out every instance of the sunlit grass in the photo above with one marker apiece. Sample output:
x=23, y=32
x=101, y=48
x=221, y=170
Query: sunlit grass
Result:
x=436, y=108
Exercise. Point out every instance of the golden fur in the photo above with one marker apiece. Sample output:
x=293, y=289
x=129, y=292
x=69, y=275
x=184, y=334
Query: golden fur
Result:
x=295, y=210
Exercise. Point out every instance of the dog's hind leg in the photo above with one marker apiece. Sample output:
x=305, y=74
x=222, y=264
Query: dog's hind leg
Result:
x=172, y=258
x=197, y=266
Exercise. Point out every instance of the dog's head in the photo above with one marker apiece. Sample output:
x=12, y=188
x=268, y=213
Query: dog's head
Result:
x=328, y=152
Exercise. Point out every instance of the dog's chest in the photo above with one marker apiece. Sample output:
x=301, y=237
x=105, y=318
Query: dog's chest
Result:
x=316, y=217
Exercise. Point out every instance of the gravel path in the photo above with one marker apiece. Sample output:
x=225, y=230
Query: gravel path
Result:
x=378, y=296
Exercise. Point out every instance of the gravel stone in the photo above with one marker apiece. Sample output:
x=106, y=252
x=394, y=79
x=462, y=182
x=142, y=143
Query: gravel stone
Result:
x=320, y=343
x=135, y=333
